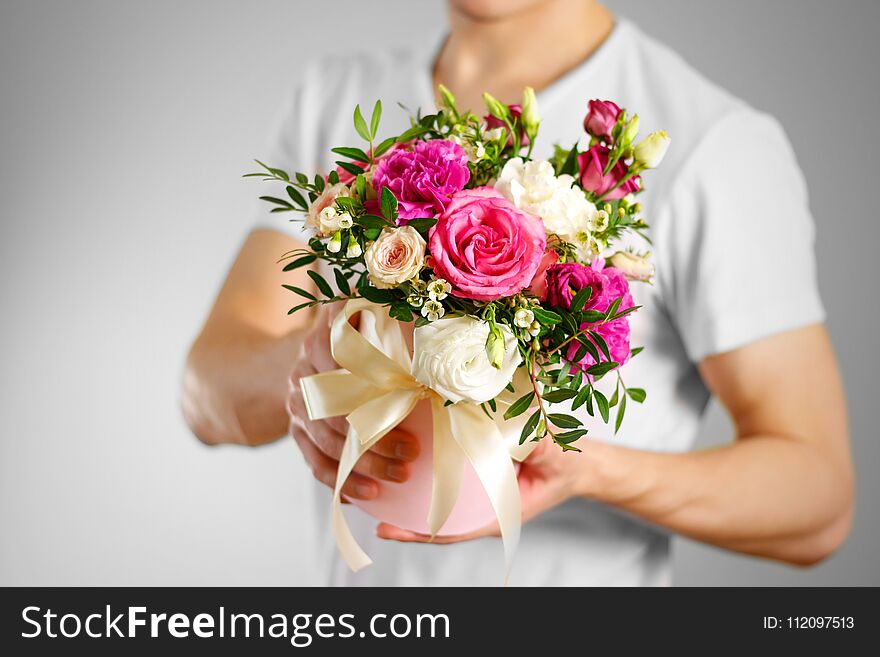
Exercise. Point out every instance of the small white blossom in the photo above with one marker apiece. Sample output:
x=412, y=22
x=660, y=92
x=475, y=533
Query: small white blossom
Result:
x=415, y=300
x=534, y=329
x=523, y=317
x=599, y=222
x=433, y=310
x=438, y=289
x=345, y=220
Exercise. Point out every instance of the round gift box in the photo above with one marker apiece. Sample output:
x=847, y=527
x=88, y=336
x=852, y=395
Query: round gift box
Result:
x=407, y=504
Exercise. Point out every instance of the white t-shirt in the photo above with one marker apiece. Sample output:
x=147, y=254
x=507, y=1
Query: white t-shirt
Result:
x=733, y=249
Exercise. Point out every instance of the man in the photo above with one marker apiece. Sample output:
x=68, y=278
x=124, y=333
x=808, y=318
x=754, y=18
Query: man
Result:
x=734, y=312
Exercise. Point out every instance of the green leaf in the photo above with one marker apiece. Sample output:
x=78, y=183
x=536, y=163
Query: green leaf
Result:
x=590, y=347
x=276, y=200
x=545, y=316
x=564, y=421
x=600, y=369
x=384, y=145
x=570, y=166
x=620, y=411
x=360, y=125
x=529, y=426
x=322, y=284
x=412, y=133
x=319, y=182
x=375, y=118
x=351, y=153
x=333, y=177
x=602, y=403
x=388, y=203
x=422, y=224
x=351, y=168
x=300, y=307
x=581, y=398
x=520, y=406
x=371, y=221
x=613, y=307
x=493, y=405
x=602, y=344
x=638, y=395
x=376, y=295
x=559, y=395
x=301, y=292
x=401, y=312
x=302, y=178
x=300, y=262
x=614, y=399
x=636, y=351
x=372, y=233
x=592, y=316
x=296, y=197
x=623, y=313
x=342, y=282
x=580, y=299
x=570, y=436
x=360, y=185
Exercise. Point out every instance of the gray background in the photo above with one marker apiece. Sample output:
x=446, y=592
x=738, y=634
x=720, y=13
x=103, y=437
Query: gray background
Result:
x=124, y=127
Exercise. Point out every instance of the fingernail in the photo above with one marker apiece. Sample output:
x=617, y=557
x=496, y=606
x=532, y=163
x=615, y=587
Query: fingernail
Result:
x=396, y=472
x=406, y=450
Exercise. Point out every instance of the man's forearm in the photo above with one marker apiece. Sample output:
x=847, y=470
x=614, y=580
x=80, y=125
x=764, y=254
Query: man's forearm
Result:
x=235, y=385
x=765, y=495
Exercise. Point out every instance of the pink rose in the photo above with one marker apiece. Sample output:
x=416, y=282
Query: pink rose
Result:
x=493, y=122
x=484, y=246
x=592, y=165
x=608, y=284
x=538, y=286
x=600, y=119
x=424, y=177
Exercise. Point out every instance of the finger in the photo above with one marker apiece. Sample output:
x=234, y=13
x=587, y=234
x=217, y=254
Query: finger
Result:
x=392, y=533
x=316, y=347
x=398, y=444
x=324, y=469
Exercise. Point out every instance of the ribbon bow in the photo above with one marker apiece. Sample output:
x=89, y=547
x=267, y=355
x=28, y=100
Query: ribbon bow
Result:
x=375, y=390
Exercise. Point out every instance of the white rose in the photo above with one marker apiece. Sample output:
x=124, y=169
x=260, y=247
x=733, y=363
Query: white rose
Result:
x=634, y=267
x=319, y=216
x=449, y=356
x=397, y=255
x=533, y=187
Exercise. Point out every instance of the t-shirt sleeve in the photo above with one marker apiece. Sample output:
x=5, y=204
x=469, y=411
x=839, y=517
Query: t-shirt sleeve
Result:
x=737, y=262
x=288, y=148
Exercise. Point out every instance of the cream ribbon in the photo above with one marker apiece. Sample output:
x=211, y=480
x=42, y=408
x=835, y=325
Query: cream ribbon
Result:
x=375, y=390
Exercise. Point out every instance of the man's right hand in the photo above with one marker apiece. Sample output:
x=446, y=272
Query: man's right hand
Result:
x=321, y=441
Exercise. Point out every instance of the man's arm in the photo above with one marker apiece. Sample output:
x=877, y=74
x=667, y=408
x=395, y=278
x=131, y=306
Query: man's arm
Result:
x=236, y=378
x=783, y=489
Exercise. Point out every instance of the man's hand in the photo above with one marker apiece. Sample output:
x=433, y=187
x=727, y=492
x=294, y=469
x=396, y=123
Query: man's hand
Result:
x=321, y=441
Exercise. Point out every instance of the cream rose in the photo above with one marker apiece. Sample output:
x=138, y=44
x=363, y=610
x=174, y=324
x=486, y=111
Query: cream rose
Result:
x=449, y=356
x=397, y=255
x=322, y=215
x=533, y=187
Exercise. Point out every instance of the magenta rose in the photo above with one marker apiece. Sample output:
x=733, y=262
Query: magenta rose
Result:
x=493, y=122
x=593, y=179
x=424, y=177
x=607, y=284
x=601, y=118
x=484, y=246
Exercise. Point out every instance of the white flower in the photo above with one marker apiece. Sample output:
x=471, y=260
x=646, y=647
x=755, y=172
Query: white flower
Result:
x=438, y=289
x=599, y=222
x=634, y=267
x=533, y=187
x=492, y=135
x=650, y=151
x=523, y=318
x=344, y=220
x=335, y=243
x=397, y=255
x=433, y=310
x=354, y=249
x=450, y=358
x=322, y=215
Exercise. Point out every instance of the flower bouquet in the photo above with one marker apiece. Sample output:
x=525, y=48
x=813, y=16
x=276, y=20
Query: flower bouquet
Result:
x=504, y=267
